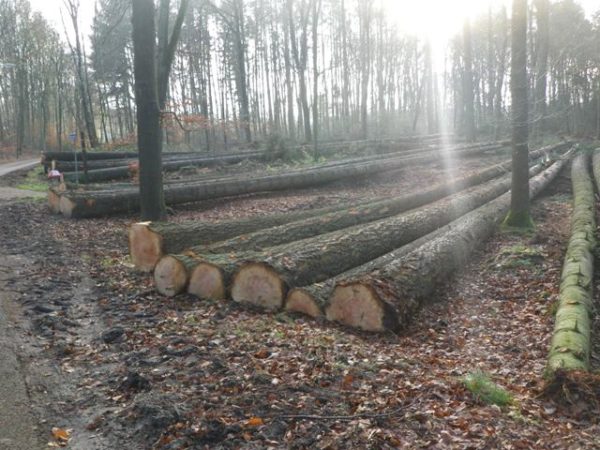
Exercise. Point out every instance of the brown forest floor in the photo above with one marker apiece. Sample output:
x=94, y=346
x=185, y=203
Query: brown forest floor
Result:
x=127, y=368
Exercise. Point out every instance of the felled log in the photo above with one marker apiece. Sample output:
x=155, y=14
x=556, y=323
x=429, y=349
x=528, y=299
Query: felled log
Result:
x=388, y=298
x=91, y=156
x=316, y=259
x=356, y=215
x=570, y=345
x=102, y=203
x=123, y=170
x=148, y=242
x=54, y=194
x=259, y=277
x=311, y=300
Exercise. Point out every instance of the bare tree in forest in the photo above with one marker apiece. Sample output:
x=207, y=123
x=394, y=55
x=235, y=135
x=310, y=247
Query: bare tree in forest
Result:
x=316, y=7
x=519, y=214
x=167, y=46
x=82, y=79
x=300, y=55
x=468, y=88
x=366, y=16
x=231, y=14
x=543, y=37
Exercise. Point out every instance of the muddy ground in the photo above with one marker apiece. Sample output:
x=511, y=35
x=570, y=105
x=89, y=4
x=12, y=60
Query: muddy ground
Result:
x=122, y=367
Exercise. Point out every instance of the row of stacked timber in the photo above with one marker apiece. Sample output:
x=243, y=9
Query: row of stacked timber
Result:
x=81, y=169
x=341, y=244
x=148, y=242
x=570, y=345
x=169, y=165
x=82, y=203
x=47, y=157
x=371, y=276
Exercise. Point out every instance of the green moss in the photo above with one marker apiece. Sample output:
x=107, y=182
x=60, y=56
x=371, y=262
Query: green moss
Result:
x=34, y=181
x=486, y=391
x=519, y=256
x=518, y=220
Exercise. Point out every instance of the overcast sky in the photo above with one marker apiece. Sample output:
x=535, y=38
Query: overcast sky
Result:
x=436, y=19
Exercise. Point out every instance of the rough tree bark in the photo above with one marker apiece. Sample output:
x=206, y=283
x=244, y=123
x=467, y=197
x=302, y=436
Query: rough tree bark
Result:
x=262, y=278
x=77, y=204
x=570, y=345
x=387, y=299
x=519, y=215
x=151, y=196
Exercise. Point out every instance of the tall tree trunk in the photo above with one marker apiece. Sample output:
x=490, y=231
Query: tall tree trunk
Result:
x=543, y=31
x=152, y=201
x=519, y=214
x=315, y=53
x=468, y=88
x=365, y=55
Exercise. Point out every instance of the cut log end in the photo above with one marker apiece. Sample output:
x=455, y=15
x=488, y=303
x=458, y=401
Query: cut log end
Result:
x=54, y=201
x=358, y=306
x=259, y=285
x=170, y=276
x=300, y=301
x=66, y=206
x=206, y=281
x=145, y=246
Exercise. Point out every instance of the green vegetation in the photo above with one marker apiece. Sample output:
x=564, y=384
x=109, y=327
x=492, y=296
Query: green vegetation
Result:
x=34, y=181
x=519, y=255
x=486, y=391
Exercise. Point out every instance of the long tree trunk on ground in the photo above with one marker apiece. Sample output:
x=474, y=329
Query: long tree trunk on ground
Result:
x=570, y=345
x=388, y=299
x=519, y=215
x=103, y=203
x=151, y=196
x=357, y=214
x=258, y=277
x=121, y=171
x=149, y=242
x=317, y=259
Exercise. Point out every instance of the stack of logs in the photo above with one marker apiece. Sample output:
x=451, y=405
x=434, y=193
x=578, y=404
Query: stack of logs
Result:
x=368, y=266
x=79, y=203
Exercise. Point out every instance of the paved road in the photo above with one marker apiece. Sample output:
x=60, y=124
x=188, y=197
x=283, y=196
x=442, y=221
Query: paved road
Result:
x=8, y=193
x=17, y=165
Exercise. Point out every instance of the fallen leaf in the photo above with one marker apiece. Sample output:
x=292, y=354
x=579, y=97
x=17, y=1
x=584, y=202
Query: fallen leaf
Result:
x=61, y=434
x=255, y=422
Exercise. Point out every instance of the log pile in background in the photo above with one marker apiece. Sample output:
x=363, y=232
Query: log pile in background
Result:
x=108, y=166
x=82, y=204
x=570, y=345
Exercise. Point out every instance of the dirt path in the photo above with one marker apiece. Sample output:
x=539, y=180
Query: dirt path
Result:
x=18, y=423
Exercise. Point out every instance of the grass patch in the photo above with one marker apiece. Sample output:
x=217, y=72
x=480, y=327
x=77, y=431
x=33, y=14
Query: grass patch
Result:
x=486, y=391
x=34, y=181
x=519, y=255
